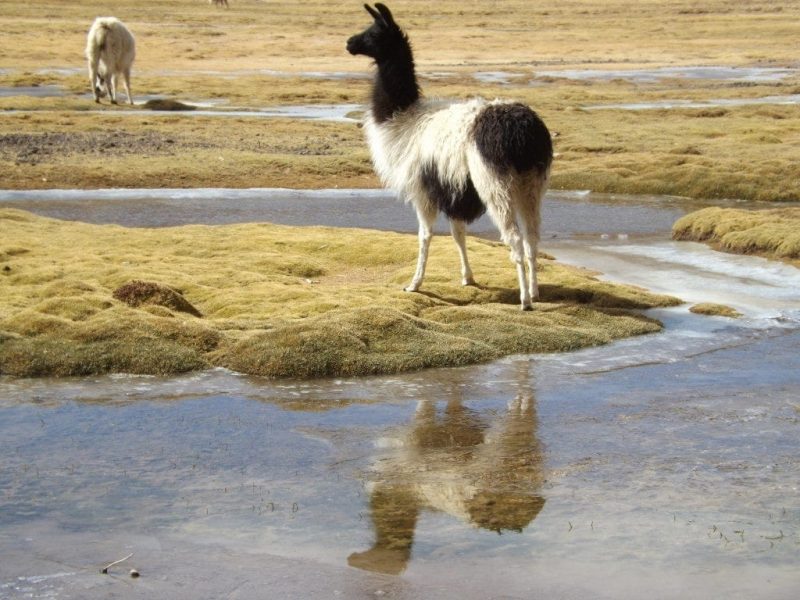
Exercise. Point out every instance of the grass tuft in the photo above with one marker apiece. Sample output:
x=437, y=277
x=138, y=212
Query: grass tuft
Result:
x=715, y=310
x=773, y=233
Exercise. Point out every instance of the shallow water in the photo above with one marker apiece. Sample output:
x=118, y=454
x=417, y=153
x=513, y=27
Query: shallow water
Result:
x=665, y=465
x=789, y=99
x=748, y=74
x=38, y=91
x=565, y=213
x=342, y=113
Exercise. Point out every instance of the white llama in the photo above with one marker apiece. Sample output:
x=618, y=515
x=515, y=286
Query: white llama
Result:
x=460, y=158
x=110, y=50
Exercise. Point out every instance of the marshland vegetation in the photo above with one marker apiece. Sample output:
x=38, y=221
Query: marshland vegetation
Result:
x=81, y=299
x=305, y=302
x=257, y=54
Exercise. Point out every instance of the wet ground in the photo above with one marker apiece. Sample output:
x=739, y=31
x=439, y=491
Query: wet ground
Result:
x=665, y=466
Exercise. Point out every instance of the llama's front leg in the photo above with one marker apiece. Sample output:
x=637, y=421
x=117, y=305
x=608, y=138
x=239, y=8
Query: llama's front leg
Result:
x=426, y=219
x=459, y=230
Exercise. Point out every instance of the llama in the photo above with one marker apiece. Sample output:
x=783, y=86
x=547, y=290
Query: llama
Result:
x=110, y=50
x=460, y=158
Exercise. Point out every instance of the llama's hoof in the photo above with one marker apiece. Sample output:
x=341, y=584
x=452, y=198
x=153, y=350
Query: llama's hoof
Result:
x=411, y=288
x=469, y=282
x=97, y=100
x=527, y=307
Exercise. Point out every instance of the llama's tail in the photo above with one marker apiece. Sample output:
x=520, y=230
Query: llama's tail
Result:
x=511, y=135
x=102, y=35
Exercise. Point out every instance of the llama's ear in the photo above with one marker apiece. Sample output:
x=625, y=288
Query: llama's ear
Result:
x=385, y=13
x=375, y=14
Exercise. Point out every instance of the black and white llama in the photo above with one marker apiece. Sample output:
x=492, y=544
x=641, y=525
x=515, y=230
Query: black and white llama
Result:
x=460, y=158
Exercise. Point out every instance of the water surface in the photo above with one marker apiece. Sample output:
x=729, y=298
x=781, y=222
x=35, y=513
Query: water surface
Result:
x=664, y=466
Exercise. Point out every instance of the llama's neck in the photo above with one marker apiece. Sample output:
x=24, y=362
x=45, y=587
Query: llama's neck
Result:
x=395, y=86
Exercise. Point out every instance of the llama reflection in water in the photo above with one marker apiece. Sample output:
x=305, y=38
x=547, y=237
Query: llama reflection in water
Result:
x=485, y=470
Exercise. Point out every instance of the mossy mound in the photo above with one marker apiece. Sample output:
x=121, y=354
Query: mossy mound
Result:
x=715, y=310
x=80, y=299
x=773, y=233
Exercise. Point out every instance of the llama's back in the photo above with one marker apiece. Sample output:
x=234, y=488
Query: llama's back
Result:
x=112, y=42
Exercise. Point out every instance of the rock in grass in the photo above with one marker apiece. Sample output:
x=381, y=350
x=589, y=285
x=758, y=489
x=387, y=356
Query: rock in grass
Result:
x=167, y=104
x=136, y=293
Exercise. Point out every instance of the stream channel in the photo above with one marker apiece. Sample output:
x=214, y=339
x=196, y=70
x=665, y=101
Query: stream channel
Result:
x=664, y=466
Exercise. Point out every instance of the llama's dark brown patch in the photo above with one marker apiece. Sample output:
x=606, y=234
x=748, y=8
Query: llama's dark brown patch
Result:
x=135, y=293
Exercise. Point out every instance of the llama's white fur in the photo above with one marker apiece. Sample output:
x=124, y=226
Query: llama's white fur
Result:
x=110, y=51
x=438, y=133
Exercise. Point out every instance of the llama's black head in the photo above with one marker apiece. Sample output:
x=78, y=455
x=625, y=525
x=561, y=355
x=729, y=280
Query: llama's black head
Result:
x=395, y=86
x=382, y=40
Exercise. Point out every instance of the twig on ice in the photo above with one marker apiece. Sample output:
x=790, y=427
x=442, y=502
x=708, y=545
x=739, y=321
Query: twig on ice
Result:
x=105, y=569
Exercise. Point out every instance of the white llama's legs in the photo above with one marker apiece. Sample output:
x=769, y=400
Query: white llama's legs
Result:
x=498, y=195
x=426, y=217
x=530, y=246
x=127, y=81
x=93, y=66
x=111, y=81
x=503, y=216
x=529, y=197
x=459, y=231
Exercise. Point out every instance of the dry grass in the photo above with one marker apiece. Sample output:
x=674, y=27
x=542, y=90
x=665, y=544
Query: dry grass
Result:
x=277, y=301
x=772, y=233
x=191, y=51
x=715, y=310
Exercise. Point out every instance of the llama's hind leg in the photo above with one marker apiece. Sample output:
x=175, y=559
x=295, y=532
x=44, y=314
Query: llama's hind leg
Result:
x=529, y=200
x=500, y=211
x=506, y=222
x=112, y=81
x=93, y=77
x=459, y=231
x=426, y=216
x=530, y=243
